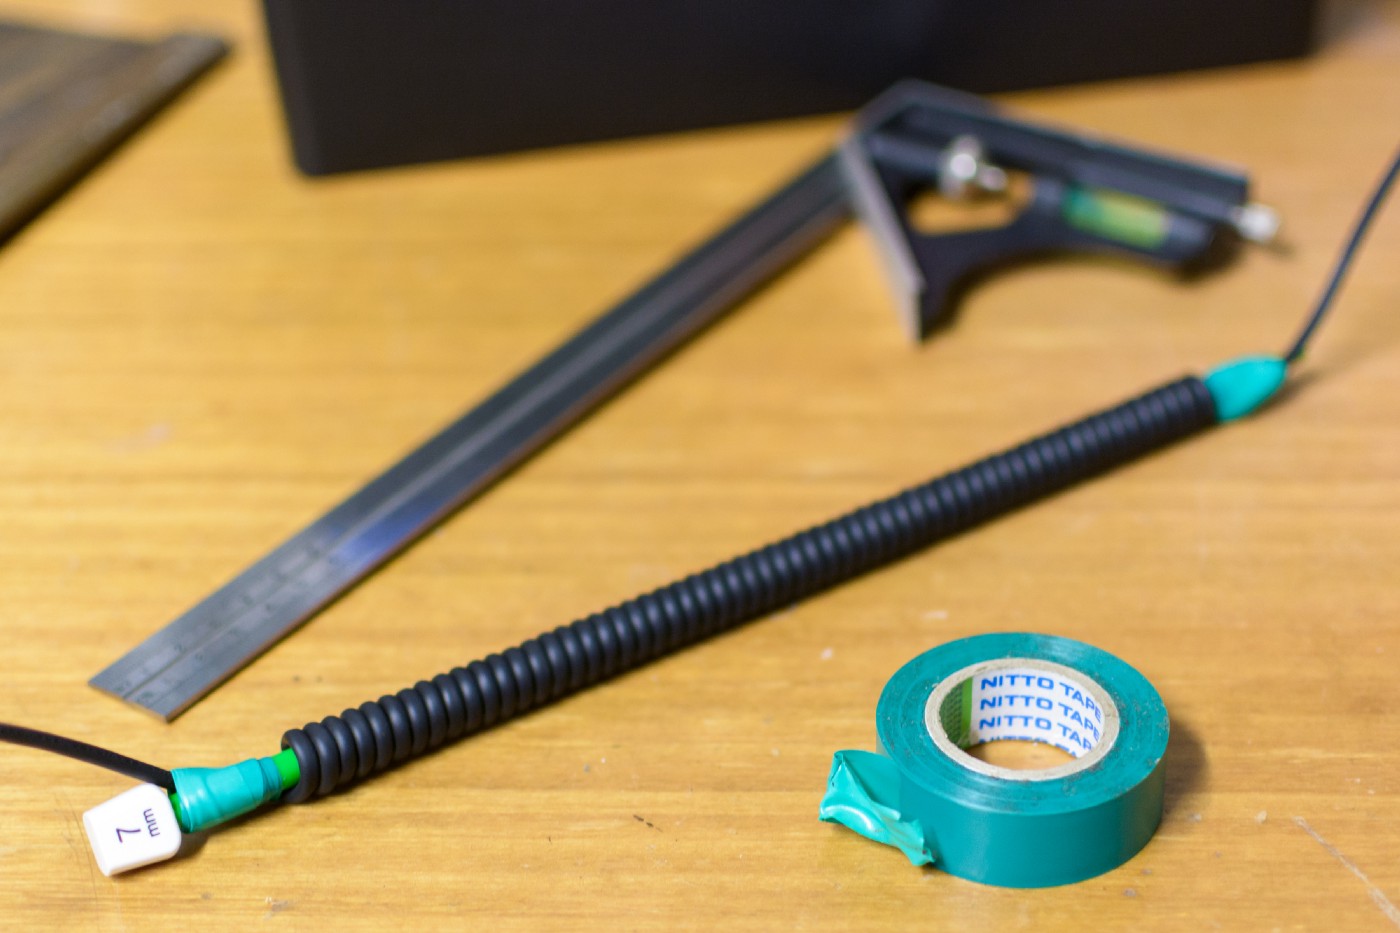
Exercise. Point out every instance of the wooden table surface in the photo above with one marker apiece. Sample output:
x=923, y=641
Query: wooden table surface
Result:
x=200, y=351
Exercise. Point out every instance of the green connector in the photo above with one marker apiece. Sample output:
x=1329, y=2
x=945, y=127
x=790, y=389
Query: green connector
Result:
x=206, y=797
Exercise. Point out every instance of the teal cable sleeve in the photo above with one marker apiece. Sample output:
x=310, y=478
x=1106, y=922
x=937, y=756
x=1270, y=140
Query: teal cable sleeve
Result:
x=1240, y=386
x=206, y=797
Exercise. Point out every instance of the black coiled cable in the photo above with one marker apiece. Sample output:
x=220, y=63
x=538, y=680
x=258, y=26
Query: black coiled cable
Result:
x=359, y=742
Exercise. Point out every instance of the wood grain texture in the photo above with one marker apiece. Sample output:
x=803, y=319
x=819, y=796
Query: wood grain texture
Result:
x=200, y=351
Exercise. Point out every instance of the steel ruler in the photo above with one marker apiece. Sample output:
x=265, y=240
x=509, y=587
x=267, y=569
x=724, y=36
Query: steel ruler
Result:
x=175, y=667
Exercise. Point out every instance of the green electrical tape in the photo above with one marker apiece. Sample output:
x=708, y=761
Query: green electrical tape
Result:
x=926, y=796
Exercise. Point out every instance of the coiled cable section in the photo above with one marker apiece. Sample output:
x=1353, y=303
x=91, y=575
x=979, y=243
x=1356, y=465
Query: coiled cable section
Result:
x=340, y=750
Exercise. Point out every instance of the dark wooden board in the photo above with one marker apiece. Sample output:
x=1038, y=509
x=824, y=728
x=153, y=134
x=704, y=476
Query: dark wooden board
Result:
x=68, y=99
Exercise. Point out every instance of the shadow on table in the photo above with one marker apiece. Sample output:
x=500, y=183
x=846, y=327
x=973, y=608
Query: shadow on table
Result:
x=1187, y=767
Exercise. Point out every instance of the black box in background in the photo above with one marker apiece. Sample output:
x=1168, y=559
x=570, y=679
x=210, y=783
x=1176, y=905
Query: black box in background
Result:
x=369, y=83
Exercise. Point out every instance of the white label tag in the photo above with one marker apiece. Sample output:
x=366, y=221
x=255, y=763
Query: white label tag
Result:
x=132, y=829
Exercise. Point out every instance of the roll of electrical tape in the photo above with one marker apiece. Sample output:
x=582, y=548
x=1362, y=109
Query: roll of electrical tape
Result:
x=1025, y=829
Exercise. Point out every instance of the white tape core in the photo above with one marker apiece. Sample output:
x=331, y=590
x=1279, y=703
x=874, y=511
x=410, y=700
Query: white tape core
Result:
x=1027, y=699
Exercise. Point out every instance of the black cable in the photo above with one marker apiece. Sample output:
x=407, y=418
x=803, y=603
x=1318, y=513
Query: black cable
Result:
x=1344, y=261
x=341, y=749
x=82, y=751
